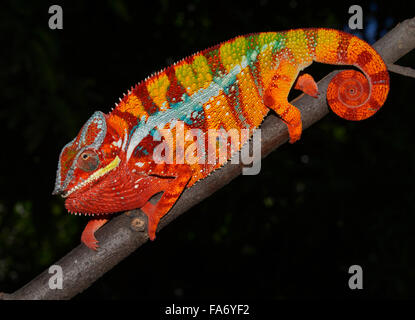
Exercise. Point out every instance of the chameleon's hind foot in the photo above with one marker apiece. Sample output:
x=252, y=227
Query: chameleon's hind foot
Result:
x=289, y=114
x=306, y=84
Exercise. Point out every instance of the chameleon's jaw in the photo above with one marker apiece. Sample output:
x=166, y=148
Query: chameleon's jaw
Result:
x=96, y=175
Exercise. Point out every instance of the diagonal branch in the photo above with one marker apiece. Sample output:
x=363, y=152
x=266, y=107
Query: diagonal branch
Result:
x=405, y=71
x=125, y=233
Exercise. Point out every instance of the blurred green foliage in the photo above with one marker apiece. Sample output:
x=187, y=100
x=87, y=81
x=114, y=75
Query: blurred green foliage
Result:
x=342, y=195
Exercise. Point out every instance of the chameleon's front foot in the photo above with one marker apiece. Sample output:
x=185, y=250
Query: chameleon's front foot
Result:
x=88, y=237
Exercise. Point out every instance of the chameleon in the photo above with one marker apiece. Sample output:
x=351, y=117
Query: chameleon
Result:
x=109, y=166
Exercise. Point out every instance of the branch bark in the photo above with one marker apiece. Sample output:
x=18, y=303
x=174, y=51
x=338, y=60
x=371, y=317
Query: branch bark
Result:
x=125, y=233
x=405, y=71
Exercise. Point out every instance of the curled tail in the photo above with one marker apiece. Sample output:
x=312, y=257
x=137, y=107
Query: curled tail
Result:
x=350, y=94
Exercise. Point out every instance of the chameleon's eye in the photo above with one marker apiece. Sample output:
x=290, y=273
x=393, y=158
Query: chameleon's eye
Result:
x=88, y=160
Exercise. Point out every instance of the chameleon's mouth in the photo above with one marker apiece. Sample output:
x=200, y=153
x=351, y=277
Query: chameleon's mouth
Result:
x=96, y=175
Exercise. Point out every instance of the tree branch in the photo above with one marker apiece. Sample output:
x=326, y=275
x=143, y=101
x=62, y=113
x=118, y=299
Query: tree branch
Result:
x=405, y=71
x=125, y=233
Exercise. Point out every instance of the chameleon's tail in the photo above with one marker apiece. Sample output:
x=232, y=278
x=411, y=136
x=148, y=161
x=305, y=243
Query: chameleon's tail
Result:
x=350, y=94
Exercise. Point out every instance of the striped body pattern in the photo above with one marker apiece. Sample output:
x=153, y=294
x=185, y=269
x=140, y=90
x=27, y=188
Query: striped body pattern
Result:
x=109, y=167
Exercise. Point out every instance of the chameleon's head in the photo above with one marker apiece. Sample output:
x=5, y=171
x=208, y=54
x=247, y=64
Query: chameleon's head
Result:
x=93, y=154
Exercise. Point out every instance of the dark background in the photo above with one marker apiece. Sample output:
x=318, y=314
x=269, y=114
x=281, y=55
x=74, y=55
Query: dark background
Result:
x=342, y=195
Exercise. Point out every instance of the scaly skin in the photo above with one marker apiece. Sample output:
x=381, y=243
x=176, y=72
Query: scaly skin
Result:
x=109, y=166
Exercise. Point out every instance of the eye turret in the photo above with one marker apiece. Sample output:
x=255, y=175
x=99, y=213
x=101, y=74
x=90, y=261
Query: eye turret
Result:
x=88, y=161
